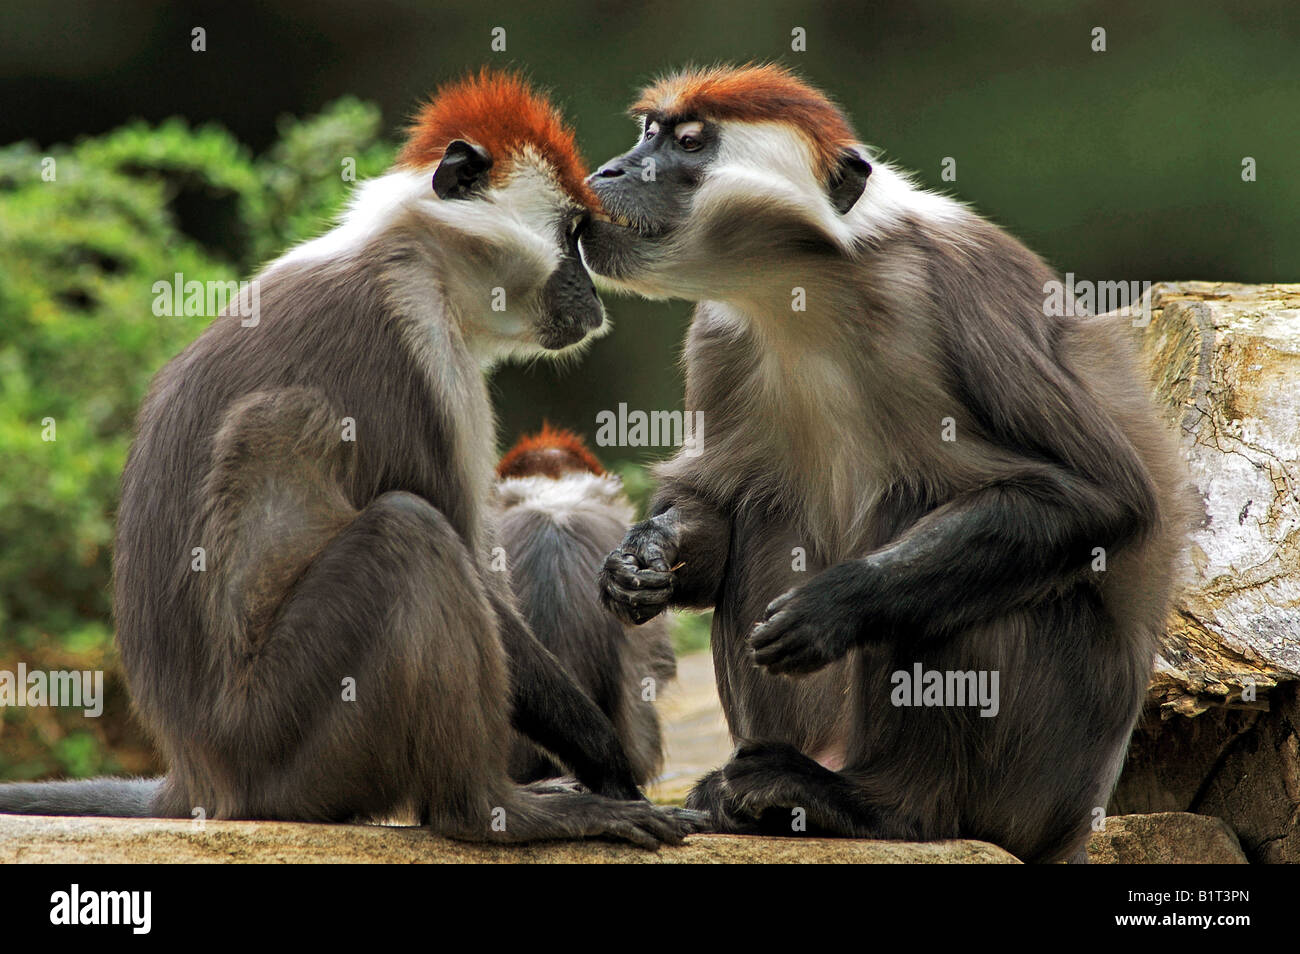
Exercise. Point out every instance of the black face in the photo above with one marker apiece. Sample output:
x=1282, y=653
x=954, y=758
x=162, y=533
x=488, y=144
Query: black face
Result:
x=570, y=308
x=647, y=191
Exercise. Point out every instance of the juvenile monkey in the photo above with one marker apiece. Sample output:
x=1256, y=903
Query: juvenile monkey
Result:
x=909, y=465
x=560, y=514
x=304, y=608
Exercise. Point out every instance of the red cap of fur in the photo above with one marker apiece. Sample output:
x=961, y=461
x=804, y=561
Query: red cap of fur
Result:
x=503, y=114
x=551, y=453
x=753, y=93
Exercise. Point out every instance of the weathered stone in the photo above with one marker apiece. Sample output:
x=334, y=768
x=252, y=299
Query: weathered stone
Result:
x=153, y=841
x=1222, y=733
x=1225, y=360
x=1241, y=765
x=1165, y=838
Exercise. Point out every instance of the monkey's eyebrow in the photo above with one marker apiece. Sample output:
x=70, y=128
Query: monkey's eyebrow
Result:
x=653, y=116
x=669, y=120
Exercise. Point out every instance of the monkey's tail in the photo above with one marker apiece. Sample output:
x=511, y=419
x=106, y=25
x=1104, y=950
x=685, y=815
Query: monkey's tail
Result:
x=105, y=797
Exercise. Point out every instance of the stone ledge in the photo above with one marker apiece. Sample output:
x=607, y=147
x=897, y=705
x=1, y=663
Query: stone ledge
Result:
x=34, y=839
x=1165, y=838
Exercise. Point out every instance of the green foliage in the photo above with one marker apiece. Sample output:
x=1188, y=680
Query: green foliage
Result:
x=690, y=631
x=302, y=173
x=636, y=484
x=79, y=342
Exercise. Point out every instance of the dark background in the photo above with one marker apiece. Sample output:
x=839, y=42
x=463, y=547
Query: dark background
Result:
x=1122, y=165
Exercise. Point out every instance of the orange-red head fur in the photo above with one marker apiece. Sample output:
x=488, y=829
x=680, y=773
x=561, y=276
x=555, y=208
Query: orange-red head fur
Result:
x=753, y=93
x=552, y=452
x=501, y=113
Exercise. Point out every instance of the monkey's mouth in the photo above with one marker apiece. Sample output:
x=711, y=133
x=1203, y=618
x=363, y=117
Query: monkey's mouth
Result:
x=560, y=336
x=617, y=219
x=616, y=250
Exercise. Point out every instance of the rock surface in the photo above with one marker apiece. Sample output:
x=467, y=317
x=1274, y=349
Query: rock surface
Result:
x=1242, y=765
x=697, y=741
x=1165, y=838
x=1225, y=361
x=119, y=841
x=1221, y=735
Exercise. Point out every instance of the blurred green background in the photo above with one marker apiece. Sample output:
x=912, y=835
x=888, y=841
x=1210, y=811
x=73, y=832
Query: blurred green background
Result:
x=1124, y=164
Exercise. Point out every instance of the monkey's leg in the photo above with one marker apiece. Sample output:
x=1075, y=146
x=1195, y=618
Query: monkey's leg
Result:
x=378, y=684
x=383, y=684
x=675, y=558
x=1006, y=546
x=550, y=708
x=358, y=668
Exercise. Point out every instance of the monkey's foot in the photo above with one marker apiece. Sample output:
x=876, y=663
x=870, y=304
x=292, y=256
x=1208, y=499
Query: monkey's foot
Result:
x=565, y=785
x=764, y=775
x=697, y=822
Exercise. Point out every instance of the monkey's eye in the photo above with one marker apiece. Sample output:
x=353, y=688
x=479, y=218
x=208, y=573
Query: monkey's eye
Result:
x=651, y=130
x=690, y=136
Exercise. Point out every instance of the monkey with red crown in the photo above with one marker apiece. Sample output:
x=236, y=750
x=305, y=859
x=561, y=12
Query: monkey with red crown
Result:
x=918, y=468
x=344, y=650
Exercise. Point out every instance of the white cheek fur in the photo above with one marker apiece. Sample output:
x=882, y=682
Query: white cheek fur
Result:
x=764, y=171
x=519, y=218
x=498, y=249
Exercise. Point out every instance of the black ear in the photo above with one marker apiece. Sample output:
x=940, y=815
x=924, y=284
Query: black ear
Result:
x=463, y=170
x=848, y=180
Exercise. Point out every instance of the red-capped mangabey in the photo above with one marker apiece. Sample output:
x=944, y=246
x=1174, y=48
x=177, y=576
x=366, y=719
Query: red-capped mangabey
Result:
x=559, y=515
x=305, y=608
x=908, y=466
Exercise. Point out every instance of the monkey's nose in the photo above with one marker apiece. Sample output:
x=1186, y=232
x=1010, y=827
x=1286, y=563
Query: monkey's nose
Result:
x=609, y=171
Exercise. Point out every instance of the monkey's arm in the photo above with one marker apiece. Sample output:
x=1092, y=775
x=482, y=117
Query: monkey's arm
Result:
x=1070, y=481
x=549, y=707
x=975, y=558
x=675, y=558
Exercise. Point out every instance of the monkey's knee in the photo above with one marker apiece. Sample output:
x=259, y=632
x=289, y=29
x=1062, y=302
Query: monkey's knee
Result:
x=409, y=517
x=286, y=445
x=390, y=640
x=279, y=423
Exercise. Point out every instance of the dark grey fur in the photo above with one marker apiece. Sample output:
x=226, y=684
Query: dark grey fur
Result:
x=555, y=551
